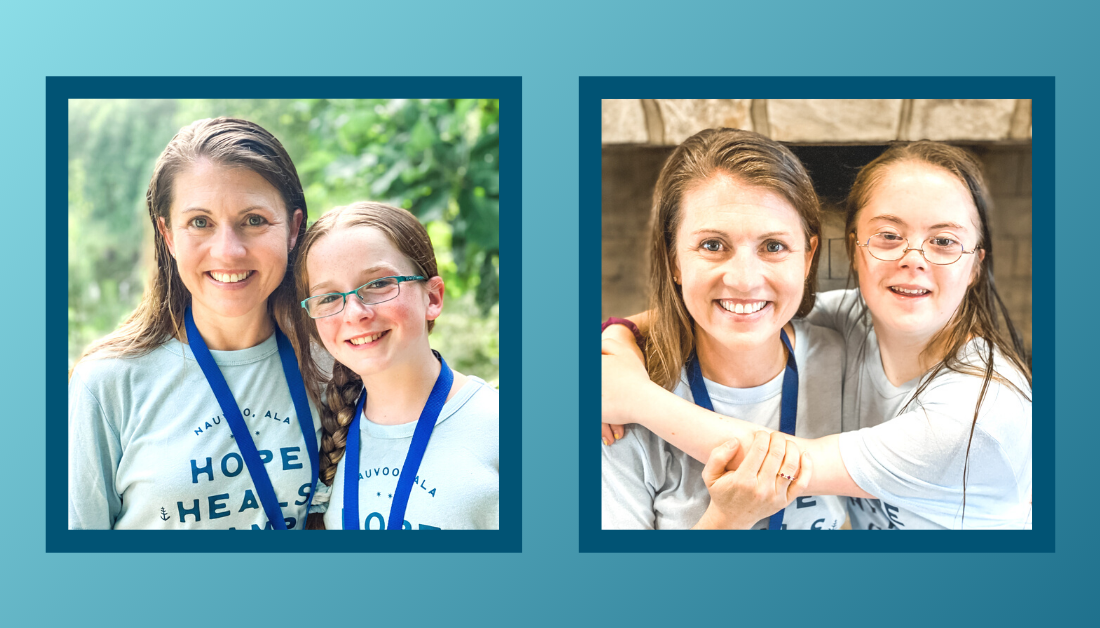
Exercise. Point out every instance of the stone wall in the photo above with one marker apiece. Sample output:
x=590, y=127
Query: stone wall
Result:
x=669, y=122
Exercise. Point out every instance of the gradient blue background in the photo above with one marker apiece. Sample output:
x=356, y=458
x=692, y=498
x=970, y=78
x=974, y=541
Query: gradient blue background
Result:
x=550, y=45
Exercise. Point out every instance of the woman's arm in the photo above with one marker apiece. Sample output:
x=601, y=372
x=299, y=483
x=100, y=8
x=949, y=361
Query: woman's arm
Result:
x=628, y=396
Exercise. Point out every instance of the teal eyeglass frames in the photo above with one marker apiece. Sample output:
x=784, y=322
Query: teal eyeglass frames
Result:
x=377, y=291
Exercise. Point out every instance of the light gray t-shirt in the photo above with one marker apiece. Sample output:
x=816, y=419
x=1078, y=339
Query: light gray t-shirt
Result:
x=916, y=456
x=150, y=449
x=458, y=484
x=648, y=484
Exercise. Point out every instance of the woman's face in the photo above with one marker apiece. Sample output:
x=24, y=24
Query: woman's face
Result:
x=742, y=260
x=369, y=339
x=911, y=297
x=230, y=236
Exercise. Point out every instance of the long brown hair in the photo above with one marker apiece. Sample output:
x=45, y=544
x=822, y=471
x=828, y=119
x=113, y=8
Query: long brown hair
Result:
x=342, y=389
x=748, y=157
x=982, y=314
x=226, y=142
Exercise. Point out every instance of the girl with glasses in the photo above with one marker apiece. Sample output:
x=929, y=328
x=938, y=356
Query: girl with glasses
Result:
x=408, y=442
x=937, y=392
x=192, y=414
x=735, y=237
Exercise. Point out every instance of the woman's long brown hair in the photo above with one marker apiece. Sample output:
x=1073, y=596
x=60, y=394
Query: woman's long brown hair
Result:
x=748, y=157
x=226, y=142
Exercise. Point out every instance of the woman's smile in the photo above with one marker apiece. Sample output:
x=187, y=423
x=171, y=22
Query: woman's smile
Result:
x=744, y=309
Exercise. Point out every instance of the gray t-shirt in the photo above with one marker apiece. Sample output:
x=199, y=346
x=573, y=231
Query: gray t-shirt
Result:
x=650, y=485
x=150, y=449
x=915, y=457
x=458, y=484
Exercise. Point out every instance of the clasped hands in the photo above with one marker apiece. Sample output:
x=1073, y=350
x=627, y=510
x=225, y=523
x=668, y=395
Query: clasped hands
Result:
x=746, y=481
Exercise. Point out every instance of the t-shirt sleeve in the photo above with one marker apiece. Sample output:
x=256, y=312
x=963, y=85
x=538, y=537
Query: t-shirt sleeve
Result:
x=628, y=491
x=320, y=498
x=95, y=450
x=918, y=460
x=838, y=310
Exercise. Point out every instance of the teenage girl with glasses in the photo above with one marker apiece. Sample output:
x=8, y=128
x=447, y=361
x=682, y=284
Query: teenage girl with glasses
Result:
x=409, y=443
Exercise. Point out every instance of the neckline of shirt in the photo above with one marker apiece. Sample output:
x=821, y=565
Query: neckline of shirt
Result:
x=405, y=430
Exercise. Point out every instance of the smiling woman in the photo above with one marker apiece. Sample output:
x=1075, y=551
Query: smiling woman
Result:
x=200, y=384
x=230, y=235
x=734, y=243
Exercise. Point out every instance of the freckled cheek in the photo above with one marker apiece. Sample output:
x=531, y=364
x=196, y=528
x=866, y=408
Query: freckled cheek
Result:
x=404, y=311
x=328, y=329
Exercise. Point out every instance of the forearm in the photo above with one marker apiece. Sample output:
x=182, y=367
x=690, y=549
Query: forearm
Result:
x=697, y=431
x=692, y=429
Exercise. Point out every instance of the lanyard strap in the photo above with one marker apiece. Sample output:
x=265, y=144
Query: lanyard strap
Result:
x=424, y=426
x=788, y=404
x=241, y=435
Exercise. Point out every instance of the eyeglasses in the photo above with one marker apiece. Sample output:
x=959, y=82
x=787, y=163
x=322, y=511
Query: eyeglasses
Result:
x=938, y=250
x=377, y=291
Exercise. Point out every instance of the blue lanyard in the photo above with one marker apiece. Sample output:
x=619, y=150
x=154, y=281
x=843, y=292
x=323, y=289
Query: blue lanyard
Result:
x=241, y=434
x=424, y=426
x=788, y=409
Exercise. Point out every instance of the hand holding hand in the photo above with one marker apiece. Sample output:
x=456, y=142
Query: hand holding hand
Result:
x=772, y=474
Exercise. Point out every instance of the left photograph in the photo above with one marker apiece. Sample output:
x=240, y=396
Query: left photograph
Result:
x=283, y=314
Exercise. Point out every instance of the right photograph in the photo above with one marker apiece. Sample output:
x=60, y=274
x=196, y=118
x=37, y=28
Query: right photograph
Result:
x=817, y=314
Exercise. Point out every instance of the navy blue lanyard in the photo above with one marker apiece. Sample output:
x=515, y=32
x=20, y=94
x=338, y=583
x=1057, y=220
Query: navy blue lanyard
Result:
x=241, y=434
x=788, y=408
x=424, y=426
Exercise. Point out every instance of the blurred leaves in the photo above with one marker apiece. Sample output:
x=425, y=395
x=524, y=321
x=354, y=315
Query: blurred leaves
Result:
x=437, y=158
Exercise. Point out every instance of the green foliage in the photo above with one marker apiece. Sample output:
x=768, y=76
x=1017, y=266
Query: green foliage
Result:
x=437, y=158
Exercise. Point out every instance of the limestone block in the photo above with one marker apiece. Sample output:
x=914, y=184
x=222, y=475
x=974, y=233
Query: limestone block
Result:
x=958, y=119
x=623, y=122
x=1012, y=217
x=834, y=120
x=1004, y=258
x=684, y=118
x=1002, y=168
x=629, y=175
x=1024, y=188
x=1022, y=266
x=834, y=256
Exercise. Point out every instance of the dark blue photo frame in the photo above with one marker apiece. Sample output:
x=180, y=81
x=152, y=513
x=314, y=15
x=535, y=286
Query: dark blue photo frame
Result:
x=508, y=90
x=1040, y=90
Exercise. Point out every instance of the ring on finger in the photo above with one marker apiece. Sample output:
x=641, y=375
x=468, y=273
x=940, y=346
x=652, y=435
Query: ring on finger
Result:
x=789, y=478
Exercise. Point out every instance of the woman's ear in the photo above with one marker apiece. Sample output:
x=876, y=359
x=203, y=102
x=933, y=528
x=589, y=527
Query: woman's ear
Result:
x=166, y=233
x=295, y=225
x=810, y=255
x=434, y=289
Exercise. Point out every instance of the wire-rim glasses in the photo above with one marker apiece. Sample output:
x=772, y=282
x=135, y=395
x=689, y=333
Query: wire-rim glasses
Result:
x=938, y=250
x=371, y=293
